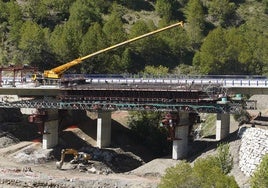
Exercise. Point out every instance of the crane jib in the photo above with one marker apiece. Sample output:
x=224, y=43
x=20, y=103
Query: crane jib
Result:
x=56, y=72
x=132, y=40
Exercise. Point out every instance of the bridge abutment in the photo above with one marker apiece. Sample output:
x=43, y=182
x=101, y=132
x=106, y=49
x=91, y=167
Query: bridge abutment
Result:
x=180, y=143
x=104, y=129
x=222, y=126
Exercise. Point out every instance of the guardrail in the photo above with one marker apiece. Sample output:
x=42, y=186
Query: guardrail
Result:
x=223, y=82
x=226, y=82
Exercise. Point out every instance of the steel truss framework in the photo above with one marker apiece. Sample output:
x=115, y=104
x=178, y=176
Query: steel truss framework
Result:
x=100, y=105
x=142, y=97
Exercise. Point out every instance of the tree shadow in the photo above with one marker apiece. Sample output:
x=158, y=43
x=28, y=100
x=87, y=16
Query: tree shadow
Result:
x=198, y=147
x=117, y=160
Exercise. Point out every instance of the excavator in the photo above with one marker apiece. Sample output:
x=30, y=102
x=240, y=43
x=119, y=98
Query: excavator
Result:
x=57, y=72
x=78, y=157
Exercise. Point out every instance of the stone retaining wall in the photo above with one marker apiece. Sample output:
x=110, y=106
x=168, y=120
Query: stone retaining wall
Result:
x=254, y=145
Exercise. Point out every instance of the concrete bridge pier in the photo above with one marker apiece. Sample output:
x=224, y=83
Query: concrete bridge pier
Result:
x=51, y=124
x=180, y=143
x=47, y=122
x=222, y=126
x=104, y=129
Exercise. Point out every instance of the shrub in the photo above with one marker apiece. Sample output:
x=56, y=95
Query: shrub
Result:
x=224, y=158
x=260, y=177
x=179, y=176
x=207, y=172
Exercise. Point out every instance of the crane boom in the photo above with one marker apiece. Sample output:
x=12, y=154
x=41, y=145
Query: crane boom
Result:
x=58, y=71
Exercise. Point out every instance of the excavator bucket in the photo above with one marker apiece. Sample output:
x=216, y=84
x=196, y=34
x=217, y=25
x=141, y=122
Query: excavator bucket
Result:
x=59, y=164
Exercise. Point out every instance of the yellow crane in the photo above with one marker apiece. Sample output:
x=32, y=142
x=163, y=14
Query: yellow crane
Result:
x=57, y=72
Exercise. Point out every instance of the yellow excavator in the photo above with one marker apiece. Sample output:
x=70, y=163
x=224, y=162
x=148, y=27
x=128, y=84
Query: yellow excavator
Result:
x=57, y=72
x=78, y=157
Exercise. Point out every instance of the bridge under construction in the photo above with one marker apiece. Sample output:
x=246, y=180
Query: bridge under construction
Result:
x=126, y=93
x=52, y=90
x=181, y=96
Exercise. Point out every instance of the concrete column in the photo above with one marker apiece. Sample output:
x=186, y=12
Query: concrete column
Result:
x=104, y=129
x=222, y=126
x=50, y=136
x=180, y=145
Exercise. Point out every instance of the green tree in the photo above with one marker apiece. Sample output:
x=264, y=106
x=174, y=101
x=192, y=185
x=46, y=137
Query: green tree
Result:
x=260, y=176
x=14, y=12
x=234, y=44
x=253, y=51
x=177, y=44
x=102, y=6
x=15, y=21
x=150, y=50
x=84, y=13
x=113, y=28
x=3, y=32
x=164, y=9
x=221, y=11
x=36, y=10
x=133, y=4
x=233, y=51
x=265, y=2
x=127, y=61
x=93, y=41
x=211, y=57
x=195, y=19
x=61, y=6
x=262, y=52
x=183, y=69
x=147, y=130
x=156, y=71
x=32, y=42
x=115, y=33
x=3, y=12
x=65, y=41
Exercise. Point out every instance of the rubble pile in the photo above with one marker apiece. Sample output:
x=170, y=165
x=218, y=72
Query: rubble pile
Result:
x=33, y=154
x=254, y=145
x=106, y=161
x=6, y=139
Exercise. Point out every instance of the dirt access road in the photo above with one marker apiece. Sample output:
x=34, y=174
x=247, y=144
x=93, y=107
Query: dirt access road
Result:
x=46, y=175
x=26, y=164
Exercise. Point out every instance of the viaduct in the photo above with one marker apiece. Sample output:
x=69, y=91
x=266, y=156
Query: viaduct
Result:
x=181, y=96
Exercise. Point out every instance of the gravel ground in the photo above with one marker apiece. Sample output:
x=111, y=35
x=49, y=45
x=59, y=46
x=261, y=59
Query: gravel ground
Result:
x=25, y=164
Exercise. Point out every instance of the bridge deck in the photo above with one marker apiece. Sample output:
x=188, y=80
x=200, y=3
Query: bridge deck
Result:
x=30, y=91
x=136, y=93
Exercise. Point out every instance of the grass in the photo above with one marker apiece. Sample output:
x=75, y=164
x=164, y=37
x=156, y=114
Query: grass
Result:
x=209, y=126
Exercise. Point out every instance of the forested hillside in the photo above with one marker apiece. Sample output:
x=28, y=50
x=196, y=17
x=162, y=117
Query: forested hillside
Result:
x=219, y=36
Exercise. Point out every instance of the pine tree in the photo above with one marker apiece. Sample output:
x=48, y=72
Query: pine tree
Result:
x=195, y=25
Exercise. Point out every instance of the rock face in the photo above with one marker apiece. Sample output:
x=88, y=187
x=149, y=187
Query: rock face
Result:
x=254, y=145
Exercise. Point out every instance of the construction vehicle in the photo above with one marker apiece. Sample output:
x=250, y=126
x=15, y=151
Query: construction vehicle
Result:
x=78, y=157
x=57, y=72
